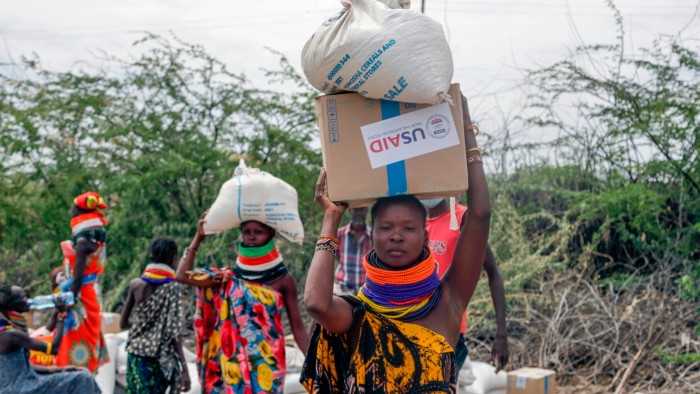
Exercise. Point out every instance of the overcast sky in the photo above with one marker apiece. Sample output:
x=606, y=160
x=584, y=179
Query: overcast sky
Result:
x=492, y=41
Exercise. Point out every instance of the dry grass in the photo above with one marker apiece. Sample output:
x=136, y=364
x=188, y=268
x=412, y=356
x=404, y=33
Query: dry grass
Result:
x=604, y=338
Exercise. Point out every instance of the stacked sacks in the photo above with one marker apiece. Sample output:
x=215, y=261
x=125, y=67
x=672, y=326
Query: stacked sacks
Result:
x=252, y=194
x=382, y=51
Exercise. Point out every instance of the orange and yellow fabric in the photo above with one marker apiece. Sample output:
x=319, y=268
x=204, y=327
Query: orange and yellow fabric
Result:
x=391, y=357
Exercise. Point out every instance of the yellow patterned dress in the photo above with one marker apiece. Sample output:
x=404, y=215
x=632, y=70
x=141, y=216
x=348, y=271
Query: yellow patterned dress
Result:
x=390, y=357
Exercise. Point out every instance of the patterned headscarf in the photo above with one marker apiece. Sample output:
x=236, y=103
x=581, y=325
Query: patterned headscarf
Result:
x=89, y=201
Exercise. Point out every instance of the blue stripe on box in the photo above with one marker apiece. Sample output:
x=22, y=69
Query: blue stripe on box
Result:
x=546, y=384
x=395, y=172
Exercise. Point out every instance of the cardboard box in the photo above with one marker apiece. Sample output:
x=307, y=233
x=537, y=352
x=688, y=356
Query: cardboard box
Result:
x=110, y=323
x=349, y=155
x=532, y=381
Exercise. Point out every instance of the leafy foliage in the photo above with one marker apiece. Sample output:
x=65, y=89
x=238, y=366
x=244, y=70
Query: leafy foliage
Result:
x=157, y=135
x=635, y=129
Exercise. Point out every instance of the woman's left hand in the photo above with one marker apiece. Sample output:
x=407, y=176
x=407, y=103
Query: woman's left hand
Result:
x=324, y=202
x=200, y=225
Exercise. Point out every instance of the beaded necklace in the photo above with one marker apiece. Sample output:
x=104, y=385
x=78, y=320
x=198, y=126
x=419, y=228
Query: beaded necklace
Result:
x=11, y=319
x=157, y=273
x=261, y=264
x=408, y=294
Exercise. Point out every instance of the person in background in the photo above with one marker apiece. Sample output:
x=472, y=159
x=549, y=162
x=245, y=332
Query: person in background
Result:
x=240, y=339
x=83, y=343
x=442, y=241
x=16, y=375
x=154, y=313
x=354, y=244
x=398, y=334
x=57, y=277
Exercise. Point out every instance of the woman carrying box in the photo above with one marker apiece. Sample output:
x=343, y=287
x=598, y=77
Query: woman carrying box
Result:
x=398, y=335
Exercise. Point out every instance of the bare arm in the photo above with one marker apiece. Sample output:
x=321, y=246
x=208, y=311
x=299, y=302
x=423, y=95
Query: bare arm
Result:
x=498, y=294
x=499, y=351
x=23, y=339
x=187, y=262
x=62, y=309
x=185, y=378
x=128, y=307
x=291, y=304
x=332, y=312
x=461, y=278
x=51, y=323
x=83, y=248
x=57, y=336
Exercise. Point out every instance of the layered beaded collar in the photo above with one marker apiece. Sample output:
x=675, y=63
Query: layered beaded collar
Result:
x=408, y=294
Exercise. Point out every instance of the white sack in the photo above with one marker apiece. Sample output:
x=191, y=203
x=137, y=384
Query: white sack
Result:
x=390, y=3
x=295, y=359
x=105, y=377
x=292, y=385
x=466, y=377
x=256, y=195
x=381, y=53
x=486, y=379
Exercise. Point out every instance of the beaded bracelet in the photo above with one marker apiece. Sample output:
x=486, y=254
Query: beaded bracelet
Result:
x=327, y=244
x=332, y=238
x=474, y=159
x=62, y=315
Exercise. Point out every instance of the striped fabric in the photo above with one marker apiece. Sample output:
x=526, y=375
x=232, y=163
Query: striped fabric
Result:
x=158, y=273
x=87, y=221
x=260, y=264
x=12, y=319
x=259, y=258
x=350, y=273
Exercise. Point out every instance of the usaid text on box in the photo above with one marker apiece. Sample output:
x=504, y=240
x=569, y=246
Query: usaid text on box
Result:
x=413, y=134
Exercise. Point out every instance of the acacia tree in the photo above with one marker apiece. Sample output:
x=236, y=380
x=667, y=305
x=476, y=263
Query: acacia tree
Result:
x=157, y=135
x=632, y=123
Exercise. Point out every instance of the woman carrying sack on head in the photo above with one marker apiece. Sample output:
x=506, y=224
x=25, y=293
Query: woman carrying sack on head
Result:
x=240, y=339
x=83, y=344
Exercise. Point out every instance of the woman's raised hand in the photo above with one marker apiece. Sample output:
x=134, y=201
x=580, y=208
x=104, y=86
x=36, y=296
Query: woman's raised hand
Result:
x=60, y=303
x=200, y=225
x=322, y=199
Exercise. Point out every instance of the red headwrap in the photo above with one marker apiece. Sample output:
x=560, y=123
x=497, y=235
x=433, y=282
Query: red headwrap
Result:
x=90, y=201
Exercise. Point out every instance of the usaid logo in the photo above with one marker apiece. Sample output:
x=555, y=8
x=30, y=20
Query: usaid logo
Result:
x=438, y=126
x=405, y=136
